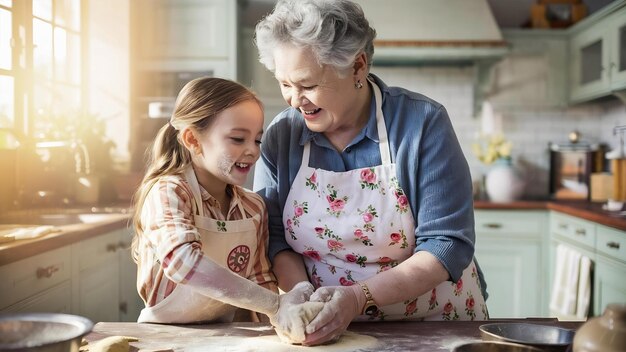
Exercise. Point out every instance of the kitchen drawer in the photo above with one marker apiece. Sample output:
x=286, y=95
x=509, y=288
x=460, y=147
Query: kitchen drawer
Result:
x=578, y=231
x=510, y=223
x=54, y=300
x=27, y=277
x=97, y=250
x=611, y=243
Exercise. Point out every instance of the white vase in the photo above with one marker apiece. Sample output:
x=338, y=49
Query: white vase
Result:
x=503, y=184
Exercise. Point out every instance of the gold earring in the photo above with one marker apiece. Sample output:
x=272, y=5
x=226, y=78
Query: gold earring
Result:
x=358, y=84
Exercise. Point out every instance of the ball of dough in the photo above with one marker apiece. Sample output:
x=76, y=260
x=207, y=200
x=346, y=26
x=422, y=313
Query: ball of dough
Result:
x=300, y=315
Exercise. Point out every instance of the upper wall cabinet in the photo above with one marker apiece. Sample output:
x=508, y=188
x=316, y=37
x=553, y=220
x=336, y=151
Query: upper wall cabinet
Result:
x=598, y=55
x=533, y=71
x=183, y=34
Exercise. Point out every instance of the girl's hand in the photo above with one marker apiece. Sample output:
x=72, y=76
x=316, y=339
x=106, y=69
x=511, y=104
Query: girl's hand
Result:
x=342, y=304
x=293, y=313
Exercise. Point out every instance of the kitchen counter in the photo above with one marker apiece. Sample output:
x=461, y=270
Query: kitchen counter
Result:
x=390, y=336
x=68, y=234
x=582, y=209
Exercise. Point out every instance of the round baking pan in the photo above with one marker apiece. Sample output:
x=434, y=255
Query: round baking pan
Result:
x=545, y=337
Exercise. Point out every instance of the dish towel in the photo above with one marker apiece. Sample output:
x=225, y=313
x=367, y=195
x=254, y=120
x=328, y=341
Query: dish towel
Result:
x=584, y=288
x=572, y=285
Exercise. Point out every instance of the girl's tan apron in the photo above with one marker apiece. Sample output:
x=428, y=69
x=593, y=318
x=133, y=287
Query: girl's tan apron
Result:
x=352, y=225
x=231, y=244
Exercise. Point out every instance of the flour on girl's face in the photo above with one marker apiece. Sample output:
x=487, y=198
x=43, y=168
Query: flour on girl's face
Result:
x=225, y=165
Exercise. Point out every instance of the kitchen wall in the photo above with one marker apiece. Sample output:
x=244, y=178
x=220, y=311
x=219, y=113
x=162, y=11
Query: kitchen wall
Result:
x=108, y=70
x=612, y=114
x=107, y=48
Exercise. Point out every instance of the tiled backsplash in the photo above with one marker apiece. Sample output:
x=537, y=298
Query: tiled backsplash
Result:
x=529, y=129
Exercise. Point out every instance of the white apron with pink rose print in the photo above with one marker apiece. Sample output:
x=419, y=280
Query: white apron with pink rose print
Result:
x=352, y=225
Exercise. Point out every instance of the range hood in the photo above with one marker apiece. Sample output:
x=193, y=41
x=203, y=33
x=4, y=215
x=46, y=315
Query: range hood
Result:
x=433, y=31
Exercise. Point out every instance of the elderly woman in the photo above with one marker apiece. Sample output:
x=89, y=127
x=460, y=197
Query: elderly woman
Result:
x=368, y=192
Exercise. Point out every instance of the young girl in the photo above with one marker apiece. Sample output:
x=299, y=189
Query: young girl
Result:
x=201, y=238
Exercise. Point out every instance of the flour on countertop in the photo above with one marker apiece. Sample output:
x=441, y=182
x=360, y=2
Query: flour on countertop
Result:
x=349, y=341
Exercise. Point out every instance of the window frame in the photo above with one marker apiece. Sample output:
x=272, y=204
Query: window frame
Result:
x=23, y=64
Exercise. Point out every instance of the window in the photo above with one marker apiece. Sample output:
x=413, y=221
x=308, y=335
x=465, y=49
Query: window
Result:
x=40, y=65
x=7, y=78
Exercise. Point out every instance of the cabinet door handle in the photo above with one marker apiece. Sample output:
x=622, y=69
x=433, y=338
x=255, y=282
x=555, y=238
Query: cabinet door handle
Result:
x=47, y=271
x=581, y=232
x=492, y=225
x=614, y=245
x=122, y=245
x=562, y=226
x=111, y=247
x=124, y=307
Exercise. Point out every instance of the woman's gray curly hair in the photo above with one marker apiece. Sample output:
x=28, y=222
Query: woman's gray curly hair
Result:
x=335, y=30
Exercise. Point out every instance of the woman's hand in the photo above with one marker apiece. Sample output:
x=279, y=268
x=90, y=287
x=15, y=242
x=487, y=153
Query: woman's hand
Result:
x=343, y=303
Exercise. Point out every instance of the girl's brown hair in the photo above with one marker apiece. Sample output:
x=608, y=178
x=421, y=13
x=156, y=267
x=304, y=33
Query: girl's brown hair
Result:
x=197, y=103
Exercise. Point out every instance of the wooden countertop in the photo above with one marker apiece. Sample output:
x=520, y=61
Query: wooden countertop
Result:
x=390, y=336
x=582, y=209
x=20, y=249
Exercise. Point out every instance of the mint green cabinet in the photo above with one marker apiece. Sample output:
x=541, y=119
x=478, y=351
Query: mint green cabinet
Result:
x=516, y=250
x=610, y=286
x=576, y=234
x=605, y=246
x=598, y=55
x=617, y=61
x=509, y=250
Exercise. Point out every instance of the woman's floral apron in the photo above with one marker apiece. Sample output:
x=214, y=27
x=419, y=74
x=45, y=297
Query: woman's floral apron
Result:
x=352, y=225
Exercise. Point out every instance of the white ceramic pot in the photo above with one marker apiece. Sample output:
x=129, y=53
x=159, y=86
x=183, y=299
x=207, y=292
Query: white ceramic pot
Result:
x=503, y=184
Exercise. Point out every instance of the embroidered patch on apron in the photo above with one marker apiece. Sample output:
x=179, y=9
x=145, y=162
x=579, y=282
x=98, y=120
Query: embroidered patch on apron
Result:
x=238, y=258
